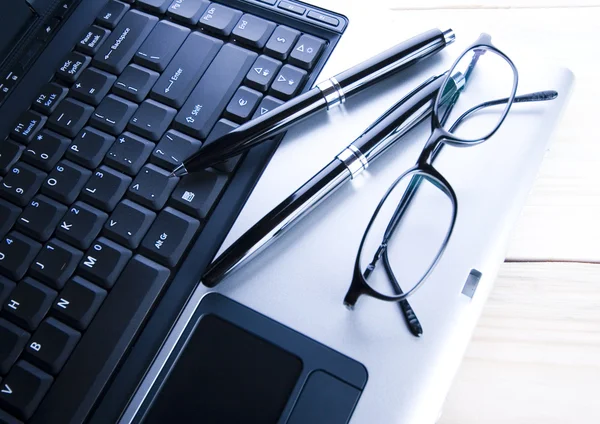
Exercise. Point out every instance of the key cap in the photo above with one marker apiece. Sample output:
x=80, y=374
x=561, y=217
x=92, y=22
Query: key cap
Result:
x=169, y=236
x=306, y=52
x=46, y=149
x=78, y=303
x=128, y=224
x=151, y=120
x=10, y=152
x=129, y=153
x=281, y=42
x=27, y=126
x=12, y=343
x=92, y=86
x=186, y=68
x=155, y=6
x=124, y=41
x=111, y=14
x=294, y=8
x=92, y=40
x=220, y=19
x=105, y=188
x=242, y=104
x=135, y=83
x=197, y=193
x=268, y=104
x=206, y=103
x=8, y=216
x=80, y=225
x=16, y=253
x=49, y=98
x=161, y=45
x=40, y=217
x=72, y=66
x=23, y=389
x=221, y=128
x=6, y=286
x=21, y=183
x=55, y=263
x=288, y=82
x=253, y=31
x=173, y=148
x=28, y=303
x=326, y=19
x=112, y=114
x=152, y=187
x=103, y=262
x=51, y=345
x=89, y=148
x=187, y=11
x=123, y=312
x=261, y=75
x=69, y=117
x=65, y=182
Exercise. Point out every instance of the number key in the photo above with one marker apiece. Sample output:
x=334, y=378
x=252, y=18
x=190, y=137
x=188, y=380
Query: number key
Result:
x=10, y=152
x=105, y=188
x=16, y=253
x=21, y=183
x=55, y=263
x=103, y=262
x=46, y=149
x=66, y=181
x=40, y=217
x=80, y=225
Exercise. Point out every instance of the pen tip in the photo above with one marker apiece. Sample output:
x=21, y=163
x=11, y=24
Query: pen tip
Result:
x=180, y=171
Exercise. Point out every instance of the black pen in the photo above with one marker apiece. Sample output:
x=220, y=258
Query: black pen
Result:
x=328, y=94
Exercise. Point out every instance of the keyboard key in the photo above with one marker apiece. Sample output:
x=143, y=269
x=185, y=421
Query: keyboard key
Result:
x=190, y=62
x=6, y=287
x=253, y=31
x=187, y=11
x=161, y=45
x=112, y=114
x=10, y=152
x=27, y=126
x=51, y=345
x=288, y=82
x=206, y=103
x=72, y=66
x=268, y=104
x=69, y=117
x=28, y=303
x=135, y=83
x=103, y=262
x=66, y=181
x=124, y=41
x=220, y=19
x=12, y=343
x=281, y=42
x=55, y=263
x=307, y=51
x=21, y=183
x=242, y=104
x=92, y=86
x=320, y=17
x=294, y=8
x=128, y=224
x=80, y=225
x=151, y=120
x=8, y=216
x=92, y=40
x=106, y=340
x=89, y=148
x=129, y=153
x=49, y=98
x=197, y=193
x=173, y=148
x=105, y=188
x=152, y=187
x=46, y=149
x=16, y=253
x=40, y=217
x=169, y=236
x=156, y=6
x=111, y=14
x=261, y=75
x=78, y=303
x=220, y=129
x=23, y=389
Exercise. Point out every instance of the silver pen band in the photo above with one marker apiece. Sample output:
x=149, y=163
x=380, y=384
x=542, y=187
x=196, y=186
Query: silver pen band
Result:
x=354, y=160
x=332, y=92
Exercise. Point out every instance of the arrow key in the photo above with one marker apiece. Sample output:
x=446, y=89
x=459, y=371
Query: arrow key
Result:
x=23, y=389
x=261, y=75
x=267, y=105
x=129, y=223
x=288, y=82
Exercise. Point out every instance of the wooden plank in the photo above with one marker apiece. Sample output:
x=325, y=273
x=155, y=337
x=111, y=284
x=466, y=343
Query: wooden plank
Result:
x=535, y=355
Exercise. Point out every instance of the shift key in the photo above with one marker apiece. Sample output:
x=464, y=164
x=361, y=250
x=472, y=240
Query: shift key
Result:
x=210, y=97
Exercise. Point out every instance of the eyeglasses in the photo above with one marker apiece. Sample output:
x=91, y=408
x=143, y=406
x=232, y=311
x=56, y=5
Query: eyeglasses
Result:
x=414, y=220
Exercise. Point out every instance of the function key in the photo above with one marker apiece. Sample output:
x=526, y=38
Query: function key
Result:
x=28, y=303
x=23, y=389
x=294, y=8
x=10, y=152
x=161, y=45
x=187, y=11
x=92, y=86
x=27, y=126
x=261, y=75
x=72, y=66
x=253, y=31
x=112, y=13
x=135, y=83
x=288, y=82
x=156, y=6
x=174, y=147
x=220, y=19
x=268, y=104
x=129, y=153
x=78, y=302
x=51, y=345
x=49, y=98
x=69, y=117
x=92, y=40
x=243, y=104
x=307, y=51
x=281, y=42
x=21, y=183
x=326, y=19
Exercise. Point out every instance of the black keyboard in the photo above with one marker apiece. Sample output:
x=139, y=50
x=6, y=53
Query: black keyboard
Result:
x=92, y=229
